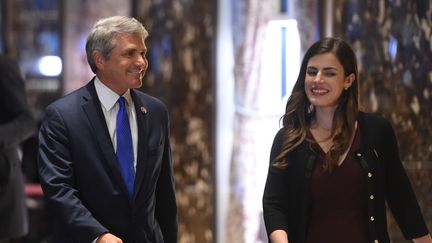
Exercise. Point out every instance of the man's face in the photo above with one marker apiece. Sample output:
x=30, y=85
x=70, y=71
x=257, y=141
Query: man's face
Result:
x=125, y=65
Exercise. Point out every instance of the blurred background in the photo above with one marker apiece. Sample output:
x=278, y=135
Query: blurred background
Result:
x=225, y=68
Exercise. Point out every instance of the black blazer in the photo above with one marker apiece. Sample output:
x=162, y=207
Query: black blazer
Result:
x=82, y=181
x=16, y=125
x=286, y=194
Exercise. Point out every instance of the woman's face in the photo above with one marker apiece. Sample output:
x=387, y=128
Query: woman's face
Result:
x=325, y=80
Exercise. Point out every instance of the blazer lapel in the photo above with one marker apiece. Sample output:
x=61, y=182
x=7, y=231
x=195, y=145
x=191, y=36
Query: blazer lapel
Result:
x=93, y=110
x=142, y=117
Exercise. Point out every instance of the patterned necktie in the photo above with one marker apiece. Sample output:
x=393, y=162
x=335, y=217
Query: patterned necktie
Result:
x=124, y=146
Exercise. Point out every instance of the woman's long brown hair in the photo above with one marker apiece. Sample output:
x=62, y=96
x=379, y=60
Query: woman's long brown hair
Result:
x=299, y=112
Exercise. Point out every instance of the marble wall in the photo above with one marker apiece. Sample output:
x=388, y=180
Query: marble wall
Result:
x=393, y=41
x=181, y=73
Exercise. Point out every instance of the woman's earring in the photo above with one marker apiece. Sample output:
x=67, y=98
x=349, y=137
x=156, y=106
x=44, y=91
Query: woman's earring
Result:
x=310, y=109
x=346, y=88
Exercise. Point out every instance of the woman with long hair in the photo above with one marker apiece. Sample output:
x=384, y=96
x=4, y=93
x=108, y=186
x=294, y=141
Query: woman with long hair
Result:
x=332, y=167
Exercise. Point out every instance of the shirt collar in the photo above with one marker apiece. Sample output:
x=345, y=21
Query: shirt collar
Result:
x=107, y=97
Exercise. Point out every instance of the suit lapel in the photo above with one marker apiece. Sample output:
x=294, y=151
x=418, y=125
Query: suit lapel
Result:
x=142, y=126
x=93, y=110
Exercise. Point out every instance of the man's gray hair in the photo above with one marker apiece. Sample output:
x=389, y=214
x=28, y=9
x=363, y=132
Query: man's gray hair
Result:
x=103, y=34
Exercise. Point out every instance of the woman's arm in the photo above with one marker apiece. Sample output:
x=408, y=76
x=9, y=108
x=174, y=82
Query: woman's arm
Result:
x=275, y=198
x=280, y=236
x=400, y=195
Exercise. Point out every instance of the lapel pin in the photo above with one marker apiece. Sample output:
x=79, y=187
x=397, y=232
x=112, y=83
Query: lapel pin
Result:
x=143, y=110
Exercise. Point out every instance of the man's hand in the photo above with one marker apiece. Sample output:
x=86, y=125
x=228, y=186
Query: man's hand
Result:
x=279, y=236
x=108, y=238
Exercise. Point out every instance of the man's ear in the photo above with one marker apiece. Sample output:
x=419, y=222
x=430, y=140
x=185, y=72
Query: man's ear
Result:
x=98, y=59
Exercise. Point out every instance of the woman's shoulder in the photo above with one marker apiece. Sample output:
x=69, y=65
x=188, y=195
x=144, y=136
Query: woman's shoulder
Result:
x=375, y=127
x=372, y=119
x=280, y=133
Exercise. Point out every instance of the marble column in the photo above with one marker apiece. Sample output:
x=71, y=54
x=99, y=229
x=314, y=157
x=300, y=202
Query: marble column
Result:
x=181, y=73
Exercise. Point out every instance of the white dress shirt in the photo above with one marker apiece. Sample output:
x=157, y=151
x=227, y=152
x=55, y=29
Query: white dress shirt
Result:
x=110, y=107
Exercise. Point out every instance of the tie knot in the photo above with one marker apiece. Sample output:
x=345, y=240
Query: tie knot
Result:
x=121, y=101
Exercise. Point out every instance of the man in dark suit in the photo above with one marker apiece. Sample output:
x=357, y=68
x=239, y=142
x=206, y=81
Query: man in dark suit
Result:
x=16, y=125
x=106, y=177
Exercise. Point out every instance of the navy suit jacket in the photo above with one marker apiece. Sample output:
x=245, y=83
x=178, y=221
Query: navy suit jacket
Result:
x=82, y=181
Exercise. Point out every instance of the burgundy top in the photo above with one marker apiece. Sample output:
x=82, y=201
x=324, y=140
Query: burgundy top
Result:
x=338, y=210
